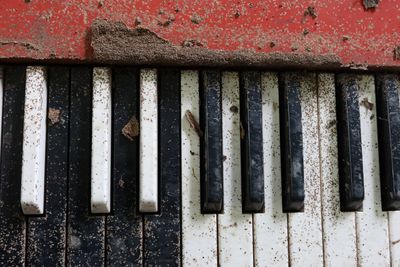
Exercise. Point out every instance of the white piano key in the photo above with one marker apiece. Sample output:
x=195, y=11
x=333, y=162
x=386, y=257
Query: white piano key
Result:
x=371, y=224
x=339, y=233
x=148, y=147
x=305, y=229
x=34, y=142
x=394, y=230
x=235, y=237
x=270, y=228
x=101, y=141
x=199, y=231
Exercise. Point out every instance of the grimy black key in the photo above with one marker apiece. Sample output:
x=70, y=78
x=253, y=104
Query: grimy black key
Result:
x=251, y=142
x=46, y=237
x=85, y=232
x=124, y=224
x=388, y=111
x=162, y=231
x=12, y=221
x=351, y=179
x=211, y=181
x=291, y=142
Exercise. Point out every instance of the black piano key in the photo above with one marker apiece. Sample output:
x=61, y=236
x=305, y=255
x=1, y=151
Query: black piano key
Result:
x=46, y=236
x=162, y=231
x=12, y=221
x=388, y=111
x=251, y=143
x=291, y=143
x=85, y=235
x=351, y=181
x=211, y=181
x=124, y=224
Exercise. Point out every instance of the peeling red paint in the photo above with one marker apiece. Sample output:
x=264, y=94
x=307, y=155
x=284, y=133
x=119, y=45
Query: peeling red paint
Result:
x=49, y=29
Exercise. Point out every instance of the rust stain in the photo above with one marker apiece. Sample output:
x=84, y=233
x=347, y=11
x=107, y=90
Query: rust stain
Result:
x=54, y=116
x=131, y=129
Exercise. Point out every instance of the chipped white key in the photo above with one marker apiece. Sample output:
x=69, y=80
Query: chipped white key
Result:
x=101, y=141
x=372, y=223
x=199, y=231
x=305, y=228
x=34, y=142
x=235, y=237
x=339, y=230
x=270, y=228
x=148, y=150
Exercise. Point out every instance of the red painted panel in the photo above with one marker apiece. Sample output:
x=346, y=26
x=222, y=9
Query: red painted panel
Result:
x=48, y=29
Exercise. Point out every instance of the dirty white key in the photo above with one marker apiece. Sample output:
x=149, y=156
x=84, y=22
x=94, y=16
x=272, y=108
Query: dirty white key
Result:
x=270, y=228
x=338, y=227
x=235, y=237
x=34, y=142
x=372, y=223
x=305, y=228
x=199, y=231
x=101, y=141
x=148, y=148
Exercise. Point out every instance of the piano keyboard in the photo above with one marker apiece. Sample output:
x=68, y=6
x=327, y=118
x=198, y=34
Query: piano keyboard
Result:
x=163, y=167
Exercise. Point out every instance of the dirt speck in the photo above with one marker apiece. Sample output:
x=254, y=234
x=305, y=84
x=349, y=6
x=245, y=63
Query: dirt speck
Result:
x=331, y=124
x=395, y=242
x=275, y=106
x=196, y=19
x=345, y=37
x=192, y=43
x=310, y=11
x=234, y=109
x=193, y=123
x=27, y=1
x=224, y=158
x=237, y=14
x=138, y=21
x=131, y=129
x=305, y=32
x=370, y=3
x=397, y=53
x=54, y=115
x=242, y=133
x=121, y=183
x=367, y=104
x=101, y=3
x=272, y=44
